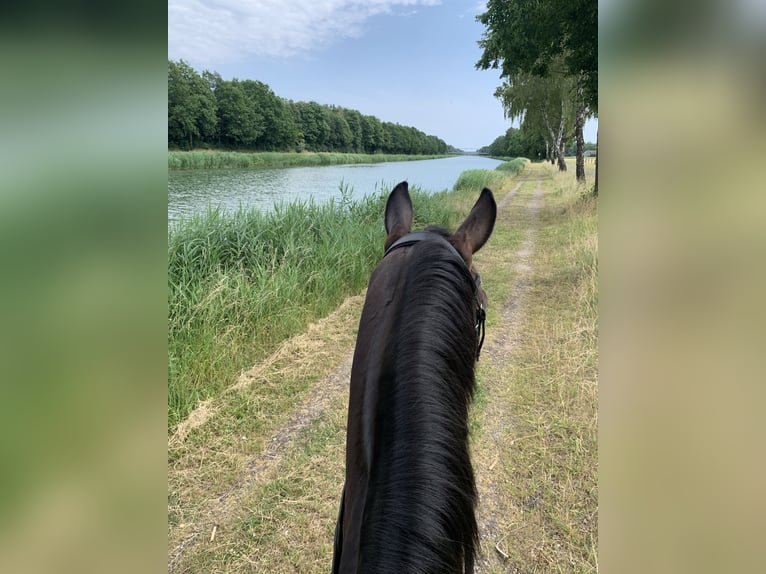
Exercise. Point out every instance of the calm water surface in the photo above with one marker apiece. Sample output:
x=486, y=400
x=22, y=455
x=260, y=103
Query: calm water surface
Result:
x=193, y=191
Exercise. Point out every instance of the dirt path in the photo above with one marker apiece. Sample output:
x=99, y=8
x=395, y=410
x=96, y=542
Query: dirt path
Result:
x=220, y=510
x=494, y=420
x=327, y=391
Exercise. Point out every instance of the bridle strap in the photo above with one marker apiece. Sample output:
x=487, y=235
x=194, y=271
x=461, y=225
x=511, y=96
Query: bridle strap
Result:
x=417, y=236
x=481, y=316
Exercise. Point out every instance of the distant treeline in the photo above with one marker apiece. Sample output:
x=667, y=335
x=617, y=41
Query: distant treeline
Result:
x=520, y=142
x=204, y=110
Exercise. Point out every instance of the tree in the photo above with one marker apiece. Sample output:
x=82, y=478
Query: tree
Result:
x=240, y=125
x=581, y=112
x=529, y=35
x=544, y=104
x=372, y=134
x=533, y=37
x=191, y=106
x=354, y=121
x=278, y=128
x=313, y=124
x=281, y=132
x=340, y=133
x=248, y=114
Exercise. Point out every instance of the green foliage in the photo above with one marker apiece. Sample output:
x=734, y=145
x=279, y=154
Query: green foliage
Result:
x=515, y=142
x=244, y=160
x=192, y=107
x=514, y=166
x=239, y=121
x=239, y=284
x=477, y=179
x=208, y=111
x=546, y=105
x=527, y=36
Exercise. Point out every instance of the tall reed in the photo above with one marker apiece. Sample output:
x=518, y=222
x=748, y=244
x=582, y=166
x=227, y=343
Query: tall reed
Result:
x=476, y=179
x=240, y=283
x=515, y=165
x=240, y=160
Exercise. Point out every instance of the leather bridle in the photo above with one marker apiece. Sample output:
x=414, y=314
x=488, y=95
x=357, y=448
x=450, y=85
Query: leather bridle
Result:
x=481, y=315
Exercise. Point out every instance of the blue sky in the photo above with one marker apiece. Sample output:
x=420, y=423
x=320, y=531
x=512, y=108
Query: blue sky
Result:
x=404, y=61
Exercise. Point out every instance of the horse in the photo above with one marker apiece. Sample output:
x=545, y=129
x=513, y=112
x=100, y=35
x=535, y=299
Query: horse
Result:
x=409, y=497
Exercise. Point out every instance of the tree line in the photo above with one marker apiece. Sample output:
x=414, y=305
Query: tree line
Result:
x=518, y=142
x=204, y=110
x=547, y=52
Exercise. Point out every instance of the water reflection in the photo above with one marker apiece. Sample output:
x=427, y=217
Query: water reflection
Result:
x=192, y=191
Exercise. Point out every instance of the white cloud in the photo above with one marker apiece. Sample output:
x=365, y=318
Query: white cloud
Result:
x=210, y=32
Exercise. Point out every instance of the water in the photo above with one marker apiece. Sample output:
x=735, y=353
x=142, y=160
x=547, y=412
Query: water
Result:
x=192, y=191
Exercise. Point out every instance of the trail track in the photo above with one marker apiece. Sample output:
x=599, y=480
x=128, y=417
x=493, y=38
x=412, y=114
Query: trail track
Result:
x=220, y=512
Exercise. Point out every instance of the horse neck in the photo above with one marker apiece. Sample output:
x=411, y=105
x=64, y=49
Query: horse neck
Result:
x=421, y=491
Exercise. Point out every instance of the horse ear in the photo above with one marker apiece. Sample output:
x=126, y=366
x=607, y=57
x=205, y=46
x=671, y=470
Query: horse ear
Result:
x=398, y=213
x=478, y=226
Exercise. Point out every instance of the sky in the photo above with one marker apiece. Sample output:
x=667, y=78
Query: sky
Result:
x=410, y=62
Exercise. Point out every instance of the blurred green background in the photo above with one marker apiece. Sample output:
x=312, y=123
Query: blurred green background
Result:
x=83, y=300
x=83, y=186
x=683, y=244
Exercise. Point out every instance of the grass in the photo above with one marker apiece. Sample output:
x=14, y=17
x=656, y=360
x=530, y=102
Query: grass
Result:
x=284, y=520
x=543, y=463
x=202, y=159
x=239, y=284
x=473, y=179
x=544, y=460
x=514, y=166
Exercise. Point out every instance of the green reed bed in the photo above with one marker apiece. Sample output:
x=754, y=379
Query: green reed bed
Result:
x=514, y=166
x=241, y=283
x=202, y=159
x=478, y=179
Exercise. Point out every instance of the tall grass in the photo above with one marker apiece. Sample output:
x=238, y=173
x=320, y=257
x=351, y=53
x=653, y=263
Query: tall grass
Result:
x=514, y=166
x=241, y=283
x=550, y=451
x=233, y=160
x=477, y=179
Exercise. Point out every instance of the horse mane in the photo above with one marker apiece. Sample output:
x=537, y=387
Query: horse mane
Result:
x=419, y=513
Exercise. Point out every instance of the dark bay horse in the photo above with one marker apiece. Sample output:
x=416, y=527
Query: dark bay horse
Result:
x=409, y=497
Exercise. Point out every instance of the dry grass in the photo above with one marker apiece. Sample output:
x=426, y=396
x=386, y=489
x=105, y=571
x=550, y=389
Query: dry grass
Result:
x=534, y=420
x=535, y=450
x=211, y=461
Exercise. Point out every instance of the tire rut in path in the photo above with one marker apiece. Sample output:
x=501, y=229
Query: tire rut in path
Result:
x=494, y=421
x=260, y=466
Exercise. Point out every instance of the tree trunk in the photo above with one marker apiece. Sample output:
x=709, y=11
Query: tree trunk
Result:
x=557, y=139
x=580, y=141
x=595, y=187
x=580, y=110
x=560, y=142
x=561, y=160
x=557, y=145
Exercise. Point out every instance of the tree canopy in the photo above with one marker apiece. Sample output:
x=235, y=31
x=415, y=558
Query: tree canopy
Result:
x=206, y=110
x=517, y=142
x=527, y=36
x=547, y=51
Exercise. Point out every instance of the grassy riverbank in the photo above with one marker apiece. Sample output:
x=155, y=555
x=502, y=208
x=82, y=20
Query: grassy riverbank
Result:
x=255, y=487
x=239, y=284
x=514, y=166
x=209, y=159
x=537, y=417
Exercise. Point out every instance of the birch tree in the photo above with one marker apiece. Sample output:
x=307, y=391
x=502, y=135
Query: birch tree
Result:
x=538, y=38
x=544, y=105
